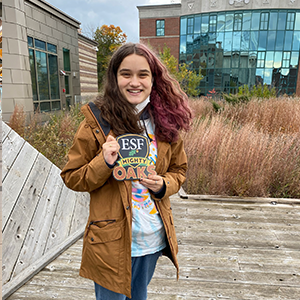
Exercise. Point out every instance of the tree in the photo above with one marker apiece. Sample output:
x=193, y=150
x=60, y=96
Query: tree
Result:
x=109, y=38
x=188, y=79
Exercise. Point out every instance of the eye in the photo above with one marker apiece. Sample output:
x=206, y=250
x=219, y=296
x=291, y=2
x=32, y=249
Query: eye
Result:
x=125, y=74
x=144, y=75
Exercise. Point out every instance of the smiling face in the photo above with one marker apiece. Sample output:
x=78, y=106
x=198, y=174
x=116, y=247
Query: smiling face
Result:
x=135, y=78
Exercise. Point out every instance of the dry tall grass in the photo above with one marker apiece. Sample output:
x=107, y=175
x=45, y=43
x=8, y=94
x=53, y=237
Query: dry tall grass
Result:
x=273, y=116
x=251, y=149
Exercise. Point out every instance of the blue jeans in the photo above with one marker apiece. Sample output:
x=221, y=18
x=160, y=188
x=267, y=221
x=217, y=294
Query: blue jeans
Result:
x=142, y=269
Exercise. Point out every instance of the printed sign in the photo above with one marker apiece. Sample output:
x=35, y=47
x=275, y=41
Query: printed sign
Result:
x=133, y=163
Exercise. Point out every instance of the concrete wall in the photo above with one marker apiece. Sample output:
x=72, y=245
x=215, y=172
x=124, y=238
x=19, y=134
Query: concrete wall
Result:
x=16, y=69
x=38, y=19
x=203, y=6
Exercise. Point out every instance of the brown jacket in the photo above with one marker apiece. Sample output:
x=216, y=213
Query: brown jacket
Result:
x=106, y=254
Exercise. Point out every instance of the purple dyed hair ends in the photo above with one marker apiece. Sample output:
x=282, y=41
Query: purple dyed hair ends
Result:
x=168, y=103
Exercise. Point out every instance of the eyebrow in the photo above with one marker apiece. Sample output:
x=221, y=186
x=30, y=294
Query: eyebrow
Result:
x=128, y=70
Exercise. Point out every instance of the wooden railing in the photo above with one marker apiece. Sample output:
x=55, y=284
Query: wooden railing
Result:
x=41, y=217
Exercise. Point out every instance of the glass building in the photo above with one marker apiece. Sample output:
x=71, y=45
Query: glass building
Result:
x=237, y=48
x=232, y=43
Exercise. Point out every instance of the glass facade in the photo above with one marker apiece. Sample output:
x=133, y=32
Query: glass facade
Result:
x=235, y=48
x=44, y=75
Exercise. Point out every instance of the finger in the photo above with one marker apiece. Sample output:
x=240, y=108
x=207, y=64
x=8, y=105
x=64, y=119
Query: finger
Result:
x=154, y=177
x=153, y=182
x=110, y=138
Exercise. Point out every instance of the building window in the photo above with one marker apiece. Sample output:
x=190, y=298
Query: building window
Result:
x=190, y=26
x=261, y=59
x=264, y=20
x=160, y=27
x=286, y=59
x=44, y=74
x=67, y=63
x=213, y=23
x=238, y=19
x=290, y=21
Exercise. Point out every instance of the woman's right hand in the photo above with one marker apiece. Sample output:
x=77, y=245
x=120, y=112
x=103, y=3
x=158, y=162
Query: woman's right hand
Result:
x=110, y=150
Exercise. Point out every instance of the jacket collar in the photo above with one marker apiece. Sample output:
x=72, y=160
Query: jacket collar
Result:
x=105, y=126
x=97, y=114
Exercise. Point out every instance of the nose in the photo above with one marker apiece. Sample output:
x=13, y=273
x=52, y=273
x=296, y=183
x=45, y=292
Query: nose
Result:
x=134, y=81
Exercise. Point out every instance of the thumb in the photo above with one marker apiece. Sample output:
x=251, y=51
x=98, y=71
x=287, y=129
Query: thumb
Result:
x=110, y=138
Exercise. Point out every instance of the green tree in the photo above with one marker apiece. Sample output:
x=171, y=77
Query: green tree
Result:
x=169, y=60
x=188, y=79
x=109, y=38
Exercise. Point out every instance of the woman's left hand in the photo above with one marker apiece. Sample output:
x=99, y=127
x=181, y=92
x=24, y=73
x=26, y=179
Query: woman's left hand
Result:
x=153, y=182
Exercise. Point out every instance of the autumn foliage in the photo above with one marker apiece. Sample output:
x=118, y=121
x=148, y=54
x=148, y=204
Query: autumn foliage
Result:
x=109, y=38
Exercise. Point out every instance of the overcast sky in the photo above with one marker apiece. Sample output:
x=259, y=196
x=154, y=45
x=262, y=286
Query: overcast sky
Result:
x=95, y=13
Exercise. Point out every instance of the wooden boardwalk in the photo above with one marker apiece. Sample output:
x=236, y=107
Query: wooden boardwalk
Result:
x=228, y=249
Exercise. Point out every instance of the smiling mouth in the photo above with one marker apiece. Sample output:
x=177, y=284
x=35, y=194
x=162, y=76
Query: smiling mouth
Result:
x=134, y=91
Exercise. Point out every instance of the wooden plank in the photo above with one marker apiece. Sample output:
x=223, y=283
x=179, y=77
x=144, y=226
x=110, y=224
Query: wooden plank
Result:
x=243, y=199
x=189, y=253
x=233, y=227
x=202, y=288
x=214, y=264
x=216, y=290
x=260, y=208
x=14, y=235
x=15, y=180
x=11, y=147
x=34, y=292
x=220, y=212
x=38, y=265
x=35, y=243
x=62, y=218
x=81, y=211
x=214, y=273
x=5, y=130
x=258, y=241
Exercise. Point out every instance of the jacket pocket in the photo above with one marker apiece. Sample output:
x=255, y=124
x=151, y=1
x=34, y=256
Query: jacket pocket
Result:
x=104, y=243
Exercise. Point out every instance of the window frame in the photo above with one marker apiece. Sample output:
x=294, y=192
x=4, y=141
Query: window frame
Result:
x=264, y=21
x=31, y=42
x=160, y=26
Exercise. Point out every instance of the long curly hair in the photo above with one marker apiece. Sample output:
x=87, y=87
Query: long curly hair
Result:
x=168, y=107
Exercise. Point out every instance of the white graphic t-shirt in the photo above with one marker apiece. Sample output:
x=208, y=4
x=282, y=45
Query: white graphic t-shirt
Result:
x=148, y=233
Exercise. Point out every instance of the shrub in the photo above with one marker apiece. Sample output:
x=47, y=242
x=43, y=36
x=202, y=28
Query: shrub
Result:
x=188, y=79
x=52, y=138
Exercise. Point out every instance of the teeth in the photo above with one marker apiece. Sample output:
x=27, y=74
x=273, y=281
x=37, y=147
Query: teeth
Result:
x=134, y=91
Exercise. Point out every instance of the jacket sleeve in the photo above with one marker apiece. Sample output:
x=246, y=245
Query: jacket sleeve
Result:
x=175, y=175
x=86, y=169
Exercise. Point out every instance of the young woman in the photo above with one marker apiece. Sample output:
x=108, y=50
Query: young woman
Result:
x=130, y=222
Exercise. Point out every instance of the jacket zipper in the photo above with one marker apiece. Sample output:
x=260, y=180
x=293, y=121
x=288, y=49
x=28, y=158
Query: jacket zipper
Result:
x=128, y=198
